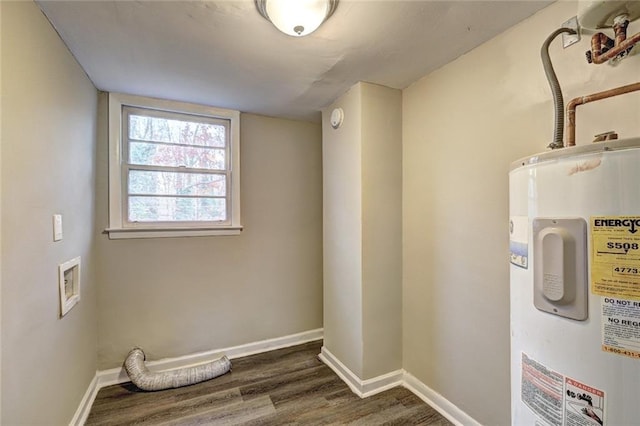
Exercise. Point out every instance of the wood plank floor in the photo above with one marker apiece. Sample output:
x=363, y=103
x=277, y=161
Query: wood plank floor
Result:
x=286, y=386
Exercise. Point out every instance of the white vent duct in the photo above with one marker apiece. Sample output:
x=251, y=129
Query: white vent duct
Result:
x=152, y=381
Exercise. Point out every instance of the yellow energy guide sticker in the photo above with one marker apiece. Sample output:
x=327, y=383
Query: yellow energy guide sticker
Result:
x=615, y=256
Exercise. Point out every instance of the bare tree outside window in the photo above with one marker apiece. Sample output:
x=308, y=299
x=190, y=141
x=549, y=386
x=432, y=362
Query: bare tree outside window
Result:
x=177, y=167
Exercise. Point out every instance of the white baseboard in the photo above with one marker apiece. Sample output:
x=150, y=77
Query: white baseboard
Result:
x=362, y=388
x=119, y=375
x=445, y=407
x=365, y=388
x=80, y=417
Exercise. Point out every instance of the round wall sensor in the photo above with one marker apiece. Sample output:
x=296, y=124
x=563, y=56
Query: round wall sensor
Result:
x=337, y=117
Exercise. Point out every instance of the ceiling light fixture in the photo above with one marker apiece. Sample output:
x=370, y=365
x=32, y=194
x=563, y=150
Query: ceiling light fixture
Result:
x=296, y=17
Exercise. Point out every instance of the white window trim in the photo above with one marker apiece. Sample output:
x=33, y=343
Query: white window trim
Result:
x=116, y=229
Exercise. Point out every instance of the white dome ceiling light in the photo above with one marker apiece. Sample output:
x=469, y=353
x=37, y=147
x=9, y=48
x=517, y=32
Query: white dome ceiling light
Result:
x=296, y=18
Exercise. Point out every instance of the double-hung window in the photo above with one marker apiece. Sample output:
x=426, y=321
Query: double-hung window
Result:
x=173, y=169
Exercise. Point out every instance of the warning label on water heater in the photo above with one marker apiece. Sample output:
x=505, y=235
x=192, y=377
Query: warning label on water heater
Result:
x=615, y=256
x=542, y=391
x=558, y=400
x=583, y=404
x=621, y=327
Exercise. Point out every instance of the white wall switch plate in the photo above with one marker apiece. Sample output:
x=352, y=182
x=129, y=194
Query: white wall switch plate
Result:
x=57, y=227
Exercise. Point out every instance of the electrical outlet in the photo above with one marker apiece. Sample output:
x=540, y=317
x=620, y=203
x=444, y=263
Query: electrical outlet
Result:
x=569, y=39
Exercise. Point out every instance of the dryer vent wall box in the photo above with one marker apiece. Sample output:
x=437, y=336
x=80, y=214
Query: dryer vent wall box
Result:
x=560, y=266
x=69, y=285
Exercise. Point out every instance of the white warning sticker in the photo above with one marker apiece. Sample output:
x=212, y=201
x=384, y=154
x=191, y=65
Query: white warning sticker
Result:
x=621, y=326
x=583, y=404
x=558, y=400
x=542, y=391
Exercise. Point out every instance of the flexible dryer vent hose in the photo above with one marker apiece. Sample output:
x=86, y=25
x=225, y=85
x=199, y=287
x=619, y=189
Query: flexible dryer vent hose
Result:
x=151, y=381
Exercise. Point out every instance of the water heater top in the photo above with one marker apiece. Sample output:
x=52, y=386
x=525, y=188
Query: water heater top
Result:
x=613, y=145
x=601, y=13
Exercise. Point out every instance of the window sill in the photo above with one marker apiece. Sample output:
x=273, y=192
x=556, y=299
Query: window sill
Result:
x=130, y=233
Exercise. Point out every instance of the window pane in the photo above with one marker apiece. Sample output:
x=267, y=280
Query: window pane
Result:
x=176, y=209
x=176, y=131
x=175, y=183
x=152, y=154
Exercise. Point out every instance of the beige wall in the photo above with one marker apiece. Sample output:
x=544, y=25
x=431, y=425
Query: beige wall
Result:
x=362, y=163
x=48, y=158
x=381, y=229
x=177, y=296
x=463, y=125
x=0, y=219
x=342, y=183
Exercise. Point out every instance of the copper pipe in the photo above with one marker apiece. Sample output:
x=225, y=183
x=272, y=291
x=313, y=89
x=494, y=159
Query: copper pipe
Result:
x=603, y=48
x=600, y=44
x=571, y=107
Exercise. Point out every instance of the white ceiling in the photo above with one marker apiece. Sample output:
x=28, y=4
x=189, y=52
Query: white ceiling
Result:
x=223, y=53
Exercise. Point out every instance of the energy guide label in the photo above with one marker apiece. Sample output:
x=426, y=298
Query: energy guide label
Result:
x=615, y=256
x=622, y=271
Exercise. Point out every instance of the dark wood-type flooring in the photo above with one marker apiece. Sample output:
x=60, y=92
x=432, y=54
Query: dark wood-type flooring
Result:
x=286, y=386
